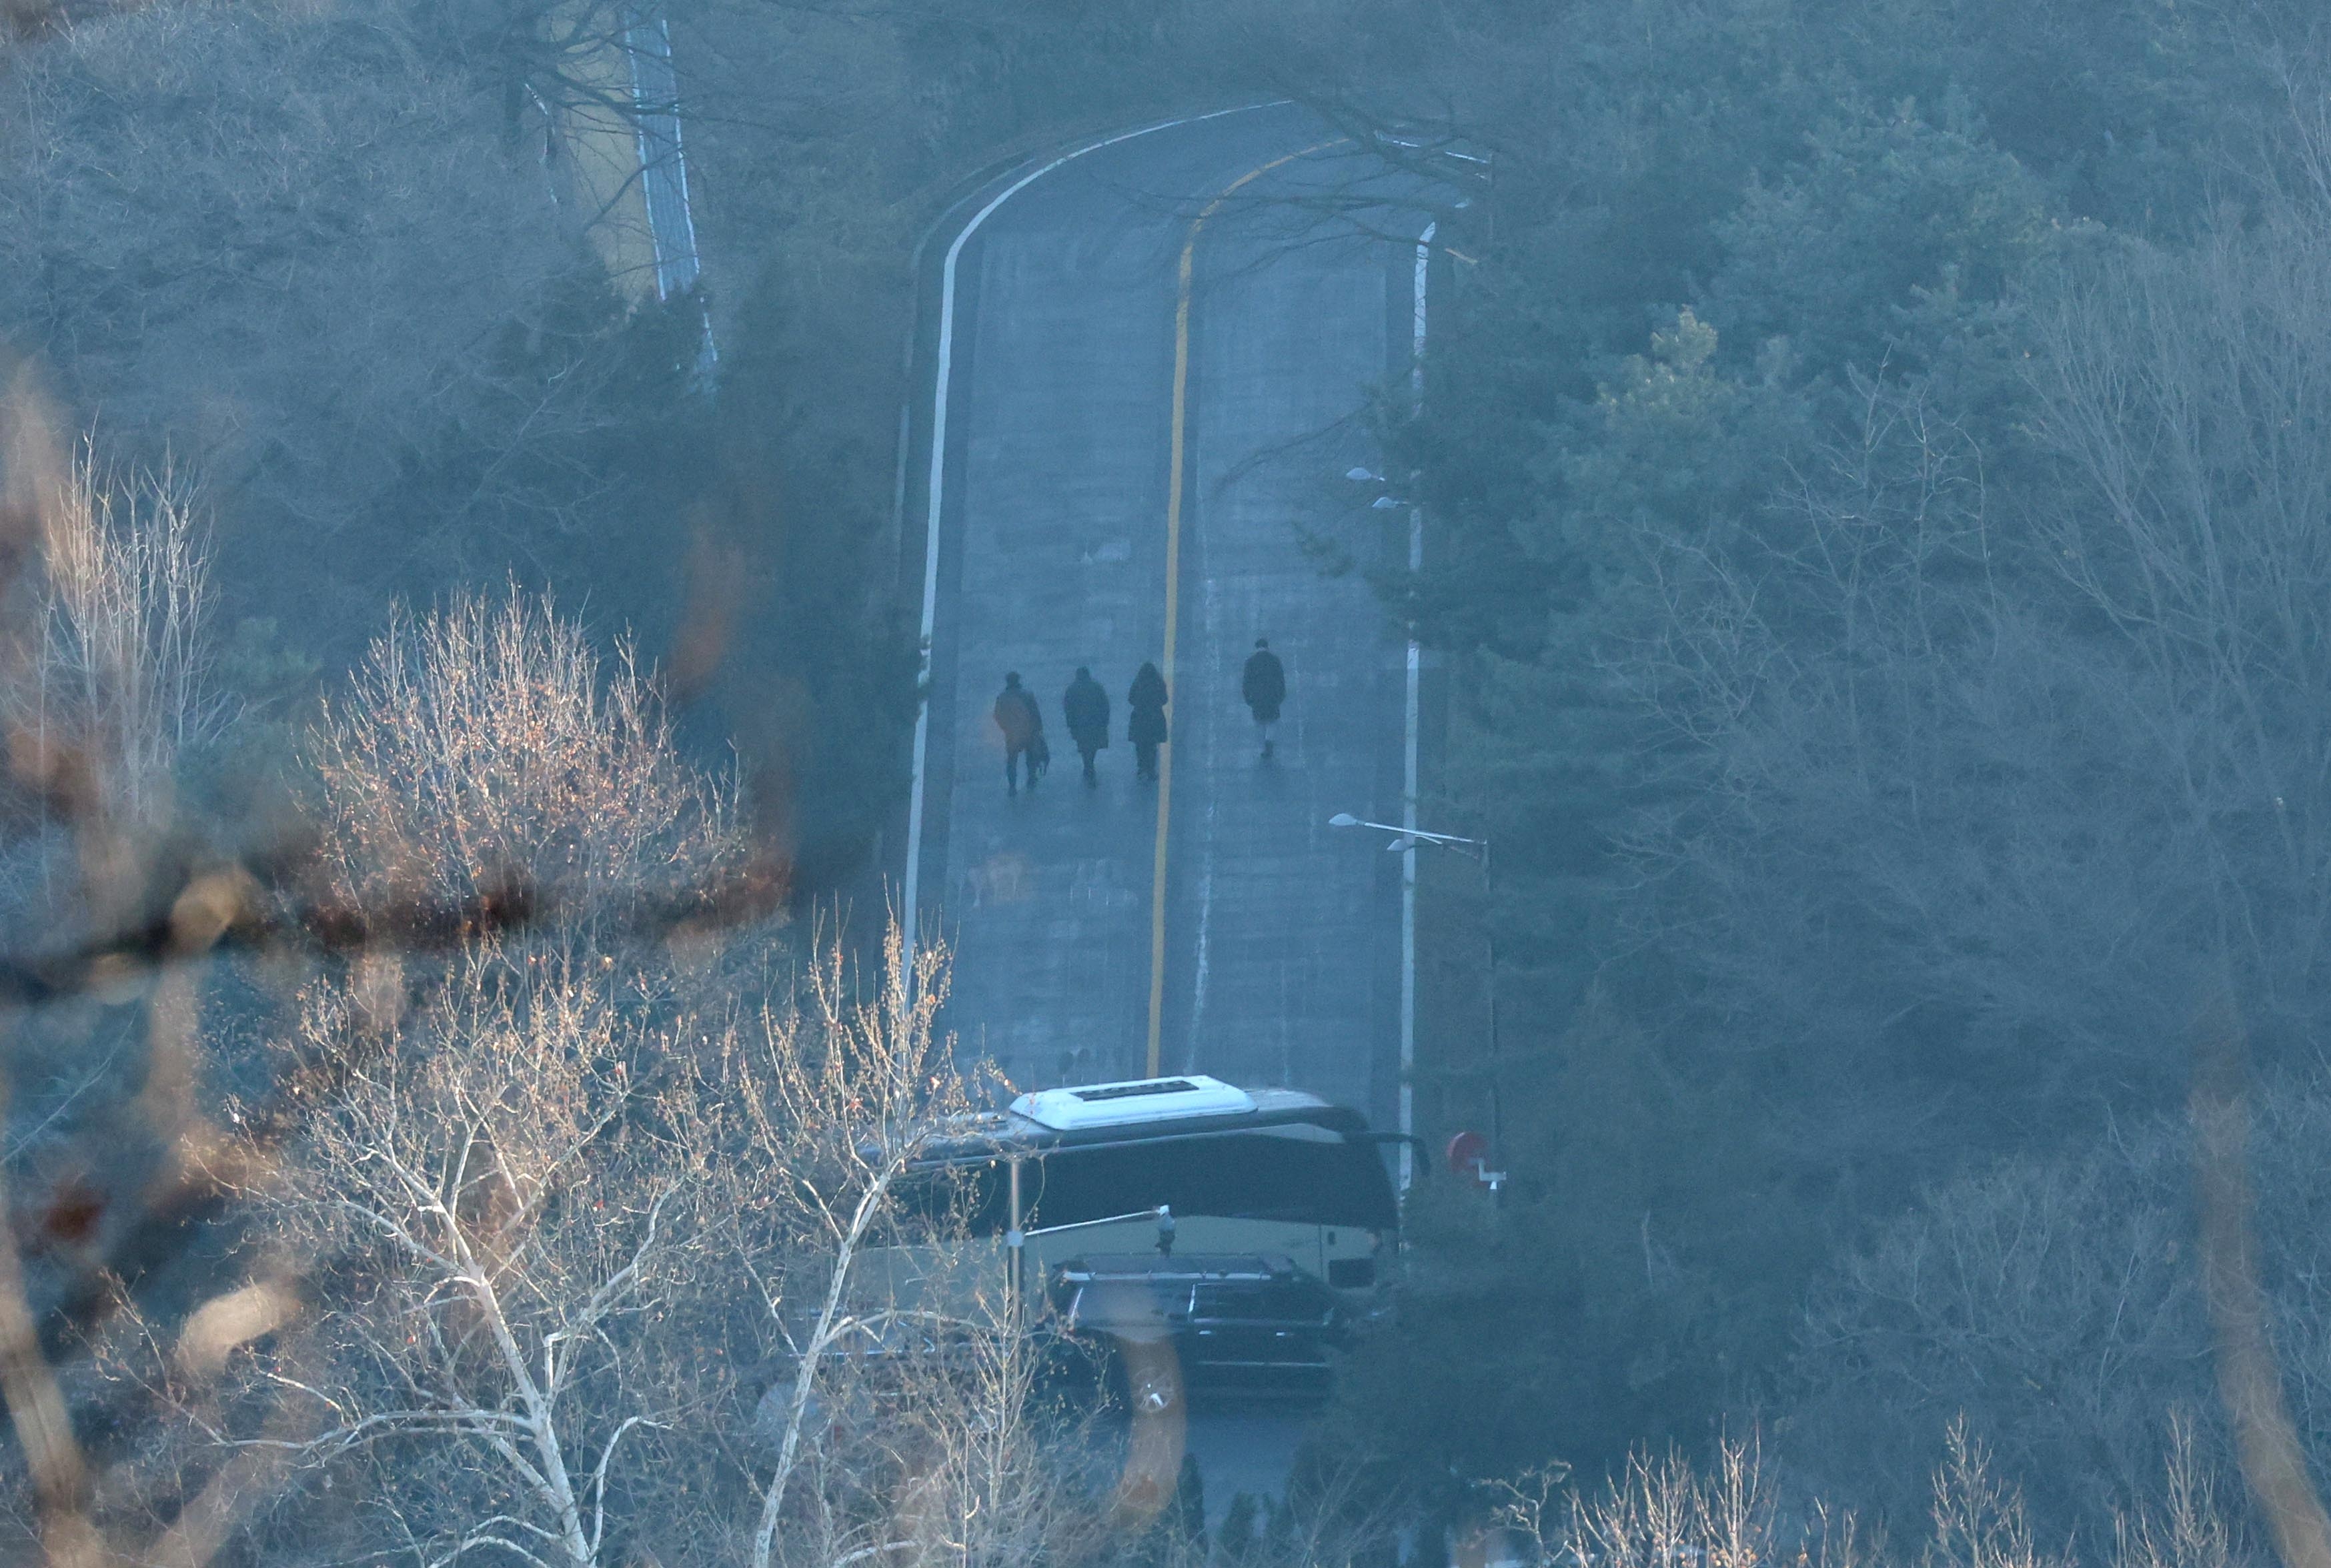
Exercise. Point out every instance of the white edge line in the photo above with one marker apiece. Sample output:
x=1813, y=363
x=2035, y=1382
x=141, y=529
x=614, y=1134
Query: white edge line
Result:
x=1408, y=760
x=912, y=881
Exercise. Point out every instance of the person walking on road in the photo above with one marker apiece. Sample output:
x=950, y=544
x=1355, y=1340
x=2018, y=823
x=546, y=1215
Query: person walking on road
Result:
x=1264, y=688
x=1086, y=705
x=1147, y=730
x=1023, y=724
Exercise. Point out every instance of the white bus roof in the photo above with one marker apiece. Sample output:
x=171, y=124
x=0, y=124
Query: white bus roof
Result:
x=1135, y=1100
x=1050, y=1121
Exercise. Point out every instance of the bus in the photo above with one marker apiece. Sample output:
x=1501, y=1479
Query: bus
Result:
x=1249, y=1227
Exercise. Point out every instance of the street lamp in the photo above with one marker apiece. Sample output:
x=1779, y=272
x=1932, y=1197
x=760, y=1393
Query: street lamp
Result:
x=1404, y=840
x=1384, y=503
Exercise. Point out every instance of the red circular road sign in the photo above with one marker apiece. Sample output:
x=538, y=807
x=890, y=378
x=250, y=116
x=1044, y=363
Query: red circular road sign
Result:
x=1468, y=1156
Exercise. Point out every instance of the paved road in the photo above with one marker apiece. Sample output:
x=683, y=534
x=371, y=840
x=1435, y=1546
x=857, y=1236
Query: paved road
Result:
x=1279, y=954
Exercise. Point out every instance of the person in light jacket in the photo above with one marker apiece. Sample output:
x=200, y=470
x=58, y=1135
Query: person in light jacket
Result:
x=1017, y=715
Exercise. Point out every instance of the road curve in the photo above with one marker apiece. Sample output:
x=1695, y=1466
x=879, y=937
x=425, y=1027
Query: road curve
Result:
x=1234, y=932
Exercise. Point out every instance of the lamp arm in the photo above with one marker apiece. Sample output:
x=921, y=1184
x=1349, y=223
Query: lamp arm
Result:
x=1162, y=1212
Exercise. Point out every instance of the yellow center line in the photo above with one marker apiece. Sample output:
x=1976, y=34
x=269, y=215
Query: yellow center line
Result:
x=1174, y=577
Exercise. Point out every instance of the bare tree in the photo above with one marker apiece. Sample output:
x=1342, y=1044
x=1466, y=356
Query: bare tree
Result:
x=2058, y=1303
x=1915, y=810
x=528, y=1250
x=846, y=1095
x=1963, y=781
x=552, y=1244
x=480, y=1116
x=2185, y=395
x=504, y=1224
x=335, y=288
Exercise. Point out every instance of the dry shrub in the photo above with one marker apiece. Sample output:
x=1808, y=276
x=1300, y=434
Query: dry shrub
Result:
x=2189, y=1525
x=1663, y=1512
x=487, y=749
x=122, y=669
x=1668, y=1513
x=105, y=676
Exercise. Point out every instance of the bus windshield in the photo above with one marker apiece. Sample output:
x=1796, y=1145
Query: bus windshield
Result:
x=1304, y=1175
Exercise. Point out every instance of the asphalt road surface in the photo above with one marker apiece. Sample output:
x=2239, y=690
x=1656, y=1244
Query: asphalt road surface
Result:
x=1240, y=936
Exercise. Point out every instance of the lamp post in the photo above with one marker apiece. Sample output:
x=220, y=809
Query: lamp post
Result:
x=1405, y=842
x=1385, y=502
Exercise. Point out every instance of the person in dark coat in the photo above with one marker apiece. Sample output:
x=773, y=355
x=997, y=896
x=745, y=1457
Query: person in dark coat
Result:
x=1264, y=688
x=1086, y=705
x=1147, y=730
x=1023, y=724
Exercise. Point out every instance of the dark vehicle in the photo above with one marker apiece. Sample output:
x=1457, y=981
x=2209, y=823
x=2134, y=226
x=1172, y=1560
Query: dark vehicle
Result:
x=1250, y=1228
x=1243, y=1325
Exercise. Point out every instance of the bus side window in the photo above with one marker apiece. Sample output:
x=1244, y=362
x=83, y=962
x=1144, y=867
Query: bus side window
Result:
x=1318, y=1181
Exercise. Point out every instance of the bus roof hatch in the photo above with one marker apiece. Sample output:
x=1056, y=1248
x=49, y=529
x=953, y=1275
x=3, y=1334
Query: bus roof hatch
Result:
x=1116, y=1104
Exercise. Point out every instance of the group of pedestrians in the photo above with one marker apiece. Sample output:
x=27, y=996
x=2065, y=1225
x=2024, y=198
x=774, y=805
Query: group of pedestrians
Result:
x=1085, y=706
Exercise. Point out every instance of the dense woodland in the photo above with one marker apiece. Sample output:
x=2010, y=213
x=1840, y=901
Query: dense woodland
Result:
x=1876, y=459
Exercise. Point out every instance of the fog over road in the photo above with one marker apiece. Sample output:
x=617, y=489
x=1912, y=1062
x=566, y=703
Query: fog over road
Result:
x=1280, y=958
